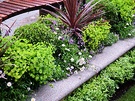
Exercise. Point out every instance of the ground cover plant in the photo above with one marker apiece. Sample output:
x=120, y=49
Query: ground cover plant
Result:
x=102, y=87
x=54, y=48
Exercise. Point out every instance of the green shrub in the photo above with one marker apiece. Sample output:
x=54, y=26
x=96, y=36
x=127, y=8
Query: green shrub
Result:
x=70, y=57
x=121, y=70
x=36, y=32
x=120, y=14
x=97, y=89
x=95, y=33
x=111, y=39
x=49, y=20
x=36, y=60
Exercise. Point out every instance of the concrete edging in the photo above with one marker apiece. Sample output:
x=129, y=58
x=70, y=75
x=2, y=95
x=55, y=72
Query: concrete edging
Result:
x=62, y=88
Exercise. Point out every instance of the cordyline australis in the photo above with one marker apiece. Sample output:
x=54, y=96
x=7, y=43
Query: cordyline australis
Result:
x=75, y=16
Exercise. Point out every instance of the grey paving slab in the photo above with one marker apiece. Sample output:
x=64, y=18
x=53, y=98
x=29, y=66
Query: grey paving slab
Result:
x=111, y=53
x=62, y=88
x=20, y=20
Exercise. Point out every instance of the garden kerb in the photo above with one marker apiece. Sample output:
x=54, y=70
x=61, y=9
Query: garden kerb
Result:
x=60, y=89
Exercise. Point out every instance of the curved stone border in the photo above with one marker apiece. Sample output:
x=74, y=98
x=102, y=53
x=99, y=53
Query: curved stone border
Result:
x=62, y=88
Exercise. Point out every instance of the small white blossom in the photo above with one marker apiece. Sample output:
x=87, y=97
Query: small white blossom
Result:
x=3, y=76
x=65, y=61
x=82, y=69
x=72, y=59
x=57, y=28
x=33, y=99
x=55, y=32
x=31, y=83
x=75, y=72
x=63, y=45
x=125, y=27
x=80, y=53
x=90, y=56
x=81, y=61
x=129, y=34
x=9, y=84
x=72, y=67
x=67, y=68
x=127, y=23
x=59, y=54
x=59, y=37
x=67, y=49
x=28, y=88
x=0, y=71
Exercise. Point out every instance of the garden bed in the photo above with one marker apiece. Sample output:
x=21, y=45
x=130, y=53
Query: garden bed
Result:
x=75, y=44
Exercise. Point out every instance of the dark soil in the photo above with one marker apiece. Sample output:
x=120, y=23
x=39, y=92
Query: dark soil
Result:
x=122, y=89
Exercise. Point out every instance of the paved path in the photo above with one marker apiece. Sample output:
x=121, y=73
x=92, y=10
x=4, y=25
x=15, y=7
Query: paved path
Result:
x=22, y=19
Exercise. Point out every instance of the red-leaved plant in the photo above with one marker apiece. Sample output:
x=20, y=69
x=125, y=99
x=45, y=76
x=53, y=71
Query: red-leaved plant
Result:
x=75, y=16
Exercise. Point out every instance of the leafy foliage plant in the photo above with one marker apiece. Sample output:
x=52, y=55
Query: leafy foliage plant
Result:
x=120, y=13
x=95, y=33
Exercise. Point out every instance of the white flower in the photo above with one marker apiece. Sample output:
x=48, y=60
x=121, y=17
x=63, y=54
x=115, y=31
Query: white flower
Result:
x=59, y=37
x=57, y=28
x=28, y=88
x=33, y=99
x=75, y=72
x=80, y=53
x=90, y=56
x=63, y=45
x=65, y=61
x=59, y=54
x=82, y=69
x=127, y=23
x=67, y=68
x=3, y=76
x=67, y=49
x=129, y=34
x=55, y=32
x=72, y=67
x=81, y=61
x=31, y=83
x=72, y=59
x=9, y=84
x=0, y=71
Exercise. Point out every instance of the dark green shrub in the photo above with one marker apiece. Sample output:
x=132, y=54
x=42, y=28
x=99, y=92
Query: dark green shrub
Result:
x=120, y=14
x=111, y=39
x=120, y=70
x=36, y=32
x=95, y=33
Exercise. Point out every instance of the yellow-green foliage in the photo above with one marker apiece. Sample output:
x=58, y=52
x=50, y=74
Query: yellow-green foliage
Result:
x=125, y=8
x=95, y=33
x=35, y=60
x=36, y=32
x=120, y=14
